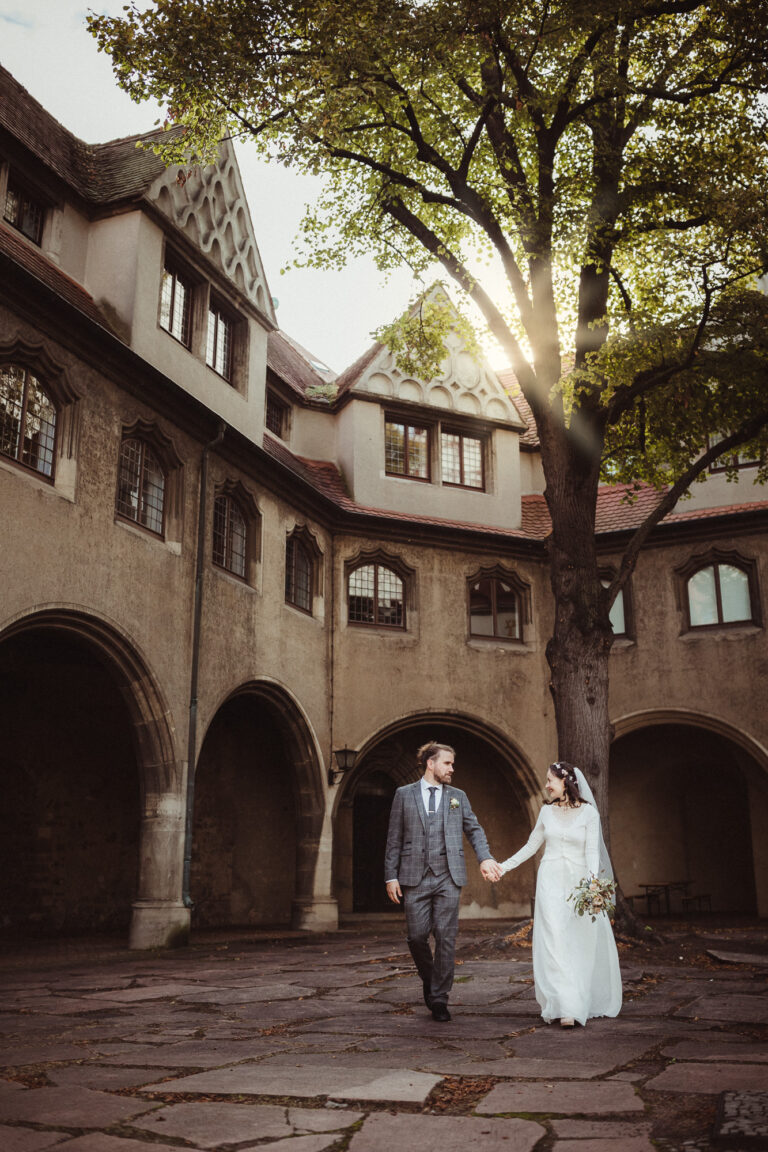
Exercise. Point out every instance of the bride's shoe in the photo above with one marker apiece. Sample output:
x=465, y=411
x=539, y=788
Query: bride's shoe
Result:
x=567, y=1022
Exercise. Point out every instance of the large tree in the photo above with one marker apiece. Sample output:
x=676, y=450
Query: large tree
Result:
x=590, y=173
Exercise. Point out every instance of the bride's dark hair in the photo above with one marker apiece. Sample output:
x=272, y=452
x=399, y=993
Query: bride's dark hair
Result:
x=567, y=773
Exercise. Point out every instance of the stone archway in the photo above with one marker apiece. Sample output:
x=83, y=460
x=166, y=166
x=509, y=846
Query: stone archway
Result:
x=495, y=776
x=689, y=801
x=96, y=830
x=258, y=813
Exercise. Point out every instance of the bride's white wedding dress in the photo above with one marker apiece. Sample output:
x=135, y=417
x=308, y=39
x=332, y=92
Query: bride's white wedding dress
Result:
x=575, y=962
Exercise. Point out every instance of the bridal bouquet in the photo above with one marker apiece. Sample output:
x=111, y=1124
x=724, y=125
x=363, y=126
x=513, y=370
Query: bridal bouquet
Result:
x=593, y=896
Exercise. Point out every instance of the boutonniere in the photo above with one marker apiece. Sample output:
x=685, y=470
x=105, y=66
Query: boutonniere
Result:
x=454, y=803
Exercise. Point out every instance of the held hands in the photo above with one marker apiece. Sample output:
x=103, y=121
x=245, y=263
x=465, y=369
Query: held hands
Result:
x=491, y=871
x=394, y=891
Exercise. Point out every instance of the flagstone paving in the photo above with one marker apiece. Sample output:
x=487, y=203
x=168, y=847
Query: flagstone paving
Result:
x=323, y=1043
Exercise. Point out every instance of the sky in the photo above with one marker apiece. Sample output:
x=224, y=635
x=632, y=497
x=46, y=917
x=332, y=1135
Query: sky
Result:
x=45, y=45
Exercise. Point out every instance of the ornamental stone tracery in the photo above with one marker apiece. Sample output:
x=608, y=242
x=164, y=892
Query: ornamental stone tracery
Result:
x=467, y=384
x=207, y=207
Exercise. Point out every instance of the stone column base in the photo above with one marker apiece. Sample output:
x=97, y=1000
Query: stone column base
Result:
x=159, y=924
x=315, y=914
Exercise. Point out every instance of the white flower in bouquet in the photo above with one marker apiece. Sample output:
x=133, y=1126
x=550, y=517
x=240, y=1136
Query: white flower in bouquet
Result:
x=591, y=896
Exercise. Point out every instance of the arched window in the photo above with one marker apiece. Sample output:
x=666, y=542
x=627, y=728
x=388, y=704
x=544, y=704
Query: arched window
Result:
x=27, y=420
x=719, y=594
x=141, y=485
x=230, y=536
x=298, y=573
x=376, y=596
x=495, y=608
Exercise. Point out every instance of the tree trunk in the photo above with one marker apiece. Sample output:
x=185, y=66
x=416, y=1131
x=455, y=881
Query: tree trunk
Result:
x=579, y=650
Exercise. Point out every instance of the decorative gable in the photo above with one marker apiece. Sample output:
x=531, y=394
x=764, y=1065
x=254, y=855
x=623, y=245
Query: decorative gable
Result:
x=211, y=209
x=467, y=384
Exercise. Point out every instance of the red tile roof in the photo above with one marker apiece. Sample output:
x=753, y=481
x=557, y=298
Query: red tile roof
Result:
x=32, y=260
x=614, y=514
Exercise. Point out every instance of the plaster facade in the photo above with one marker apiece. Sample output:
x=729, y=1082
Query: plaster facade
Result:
x=171, y=706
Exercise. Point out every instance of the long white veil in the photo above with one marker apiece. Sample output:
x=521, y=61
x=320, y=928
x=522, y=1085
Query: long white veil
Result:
x=585, y=791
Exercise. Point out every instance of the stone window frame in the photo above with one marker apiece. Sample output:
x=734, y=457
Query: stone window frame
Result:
x=54, y=381
x=733, y=462
x=149, y=433
x=236, y=492
x=381, y=559
x=713, y=558
x=522, y=592
x=300, y=537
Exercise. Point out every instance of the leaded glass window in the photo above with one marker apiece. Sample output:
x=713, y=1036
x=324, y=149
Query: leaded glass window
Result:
x=376, y=597
x=141, y=485
x=230, y=536
x=461, y=459
x=27, y=420
x=406, y=450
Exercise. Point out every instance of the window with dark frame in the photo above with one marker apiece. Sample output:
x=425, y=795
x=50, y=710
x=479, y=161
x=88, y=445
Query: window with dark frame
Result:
x=376, y=597
x=230, y=536
x=298, y=574
x=276, y=416
x=175, y=301
x=406, y=450
x=461, y=460
x=27, y=420
x=719, y=594
x=495, y=609
x=23, y=211
x=218, y=351
x=141, y=486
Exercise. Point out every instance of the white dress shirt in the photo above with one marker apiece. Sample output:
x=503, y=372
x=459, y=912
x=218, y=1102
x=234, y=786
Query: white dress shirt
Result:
x=425, y=787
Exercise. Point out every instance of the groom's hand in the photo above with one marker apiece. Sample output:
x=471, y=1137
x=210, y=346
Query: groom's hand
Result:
x=394, y=891
x=490, y=870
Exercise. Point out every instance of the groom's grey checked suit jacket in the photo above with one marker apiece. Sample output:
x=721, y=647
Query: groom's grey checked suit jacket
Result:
x=405, y=858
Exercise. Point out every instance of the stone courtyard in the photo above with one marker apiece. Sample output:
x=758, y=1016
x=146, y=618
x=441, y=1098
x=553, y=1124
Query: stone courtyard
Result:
x=306, y=1043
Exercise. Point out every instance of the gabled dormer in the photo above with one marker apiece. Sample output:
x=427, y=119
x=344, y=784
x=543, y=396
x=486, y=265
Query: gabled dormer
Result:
x=445, y=447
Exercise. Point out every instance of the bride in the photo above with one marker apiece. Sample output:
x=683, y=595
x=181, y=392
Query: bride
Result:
x=575, y=962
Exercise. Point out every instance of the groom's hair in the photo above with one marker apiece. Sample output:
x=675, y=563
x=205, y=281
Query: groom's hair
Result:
x=430, y=750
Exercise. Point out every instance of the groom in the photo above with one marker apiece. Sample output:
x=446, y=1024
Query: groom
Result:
x=424, y=866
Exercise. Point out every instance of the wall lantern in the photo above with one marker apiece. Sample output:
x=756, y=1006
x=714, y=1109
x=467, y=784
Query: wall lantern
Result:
x=345, y=758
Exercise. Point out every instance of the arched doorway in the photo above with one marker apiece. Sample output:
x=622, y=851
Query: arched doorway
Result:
x=488, y=768
x=258, y=813
x=69, y=832
x=92, y=831
x=684, y=800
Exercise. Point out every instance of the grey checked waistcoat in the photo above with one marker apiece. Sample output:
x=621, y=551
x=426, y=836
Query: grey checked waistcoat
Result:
x=435, y=855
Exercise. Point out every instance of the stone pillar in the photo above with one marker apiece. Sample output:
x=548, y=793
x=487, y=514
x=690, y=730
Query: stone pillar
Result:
x=316, y=910
x=159, y=918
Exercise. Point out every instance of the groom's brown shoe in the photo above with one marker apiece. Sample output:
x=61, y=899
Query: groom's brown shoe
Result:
x=440, y=1012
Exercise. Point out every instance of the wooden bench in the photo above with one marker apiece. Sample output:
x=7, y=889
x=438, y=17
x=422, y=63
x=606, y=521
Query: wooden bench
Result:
x=701, y=902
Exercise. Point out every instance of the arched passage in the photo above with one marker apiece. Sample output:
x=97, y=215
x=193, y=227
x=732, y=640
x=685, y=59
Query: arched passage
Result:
x=89, y=842
x=258, y=812
x=689, y=801
x=500, y=787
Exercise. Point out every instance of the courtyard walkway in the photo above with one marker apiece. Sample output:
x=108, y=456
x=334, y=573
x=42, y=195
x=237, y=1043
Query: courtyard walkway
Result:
x=322, y=1044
